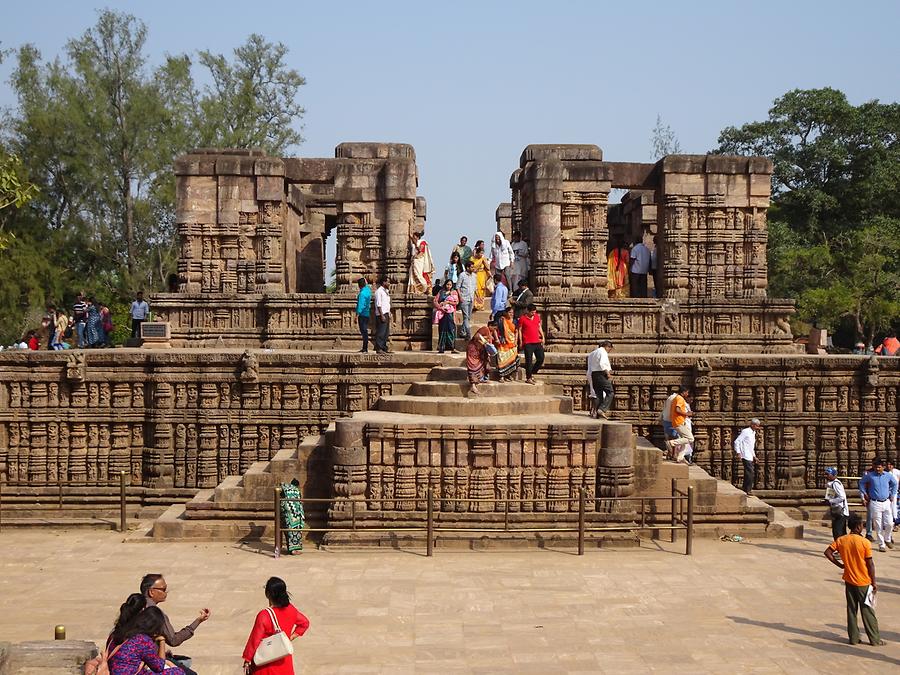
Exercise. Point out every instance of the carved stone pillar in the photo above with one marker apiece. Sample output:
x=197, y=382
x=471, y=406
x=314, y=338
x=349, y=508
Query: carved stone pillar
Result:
x=349, y=466
x=615, y=463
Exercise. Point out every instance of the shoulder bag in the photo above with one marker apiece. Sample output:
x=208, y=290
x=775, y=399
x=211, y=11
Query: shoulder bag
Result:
x=275, y=646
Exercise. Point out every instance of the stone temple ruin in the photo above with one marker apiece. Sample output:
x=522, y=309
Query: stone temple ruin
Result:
x=206, y=429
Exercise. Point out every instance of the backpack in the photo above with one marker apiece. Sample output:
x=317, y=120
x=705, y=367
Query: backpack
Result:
x=99, y=665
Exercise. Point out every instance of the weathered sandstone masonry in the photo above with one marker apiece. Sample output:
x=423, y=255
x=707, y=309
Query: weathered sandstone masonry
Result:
x=253, y=228
x=186, y=419
x=709, y=215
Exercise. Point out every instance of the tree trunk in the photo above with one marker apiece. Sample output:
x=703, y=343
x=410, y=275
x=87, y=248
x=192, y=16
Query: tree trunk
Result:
x=128, y=199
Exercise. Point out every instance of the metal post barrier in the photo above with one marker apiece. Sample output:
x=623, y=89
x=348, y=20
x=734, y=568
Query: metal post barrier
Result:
x=581, y=521
x=429, y=525
x=689, y=544
x=353, y=515
x=59, y=632
x=1, y=504
x=277, y=522
x=674, y=509
x=60, y=487
x=122, y=506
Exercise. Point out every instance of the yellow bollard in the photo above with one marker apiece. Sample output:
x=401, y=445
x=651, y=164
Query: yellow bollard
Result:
x=59, y=633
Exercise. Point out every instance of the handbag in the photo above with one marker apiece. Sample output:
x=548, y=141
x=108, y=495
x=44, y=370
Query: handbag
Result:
x=489, y=286
x=275, y=646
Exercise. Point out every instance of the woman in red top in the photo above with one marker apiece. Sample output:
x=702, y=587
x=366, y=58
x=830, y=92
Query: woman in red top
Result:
x=290, y=620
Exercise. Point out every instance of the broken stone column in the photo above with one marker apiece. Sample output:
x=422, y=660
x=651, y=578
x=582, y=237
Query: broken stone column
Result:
x=615, y=463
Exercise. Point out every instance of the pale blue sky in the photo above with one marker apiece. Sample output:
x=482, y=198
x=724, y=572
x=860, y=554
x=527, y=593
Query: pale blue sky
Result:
x=470, y=84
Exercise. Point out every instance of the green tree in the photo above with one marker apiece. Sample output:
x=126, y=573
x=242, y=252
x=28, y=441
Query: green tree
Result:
x=97, y=130
x=251, y=103
x=835, y=216
x=15, y=191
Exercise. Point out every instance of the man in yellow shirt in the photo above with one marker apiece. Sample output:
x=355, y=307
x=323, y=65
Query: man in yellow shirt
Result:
x=859, y=574
x=679, y=414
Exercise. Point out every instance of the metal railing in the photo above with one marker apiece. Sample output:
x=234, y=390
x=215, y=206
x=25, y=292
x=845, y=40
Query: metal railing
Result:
x=681, y=503
x=62, y=485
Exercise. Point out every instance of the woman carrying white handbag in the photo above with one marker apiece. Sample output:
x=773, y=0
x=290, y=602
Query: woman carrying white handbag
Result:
x=269, y=649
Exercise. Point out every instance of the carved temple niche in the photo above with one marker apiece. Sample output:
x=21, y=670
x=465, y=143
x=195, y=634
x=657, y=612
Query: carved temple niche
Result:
x=359, y=246
x=714, y=229
x=561, y=192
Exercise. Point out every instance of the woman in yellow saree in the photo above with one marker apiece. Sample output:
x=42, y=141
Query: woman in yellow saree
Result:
x=482, y=271
x=507, y=350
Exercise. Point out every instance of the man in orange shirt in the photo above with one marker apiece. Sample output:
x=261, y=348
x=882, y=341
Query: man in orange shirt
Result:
x=859, y=574
x=679, y=414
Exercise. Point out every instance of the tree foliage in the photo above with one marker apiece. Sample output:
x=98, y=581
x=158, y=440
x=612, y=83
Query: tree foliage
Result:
x=835, y=216
x=97, y=129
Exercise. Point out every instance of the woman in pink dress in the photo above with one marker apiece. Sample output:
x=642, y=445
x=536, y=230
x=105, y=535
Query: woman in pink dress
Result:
x=290, y=620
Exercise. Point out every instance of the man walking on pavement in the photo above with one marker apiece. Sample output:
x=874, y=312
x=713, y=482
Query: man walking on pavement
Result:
x=878, y=490
x=836, y=496
x=859, y=577
x=745, y=448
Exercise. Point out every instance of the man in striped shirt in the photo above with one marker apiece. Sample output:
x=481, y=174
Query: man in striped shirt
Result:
x=79, y=315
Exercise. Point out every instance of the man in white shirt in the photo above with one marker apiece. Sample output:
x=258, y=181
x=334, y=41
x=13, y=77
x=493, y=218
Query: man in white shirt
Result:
x=745, y=448
x=640, y=268
x=521, y=261
x=836, y=496
x=382, y=316
x=139, y=312
x=502, y=257
x=895, y=472
x=599, y=376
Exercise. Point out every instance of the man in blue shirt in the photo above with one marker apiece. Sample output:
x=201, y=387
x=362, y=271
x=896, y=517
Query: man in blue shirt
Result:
x=878, y=490
x=363, y=308
x=500, y=296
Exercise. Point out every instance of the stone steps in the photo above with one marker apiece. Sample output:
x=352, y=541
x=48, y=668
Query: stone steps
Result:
x=485, y=390
x=511, y=422
x=477, y=406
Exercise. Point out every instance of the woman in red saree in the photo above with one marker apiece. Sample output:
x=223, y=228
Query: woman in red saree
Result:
x=290, y=620
x=478, y=356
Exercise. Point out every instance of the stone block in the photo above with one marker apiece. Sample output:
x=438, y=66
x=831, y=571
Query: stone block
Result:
x=375, y=151
x=232, y=165
x=270, y=188
x=560, y=152
x=269, y=166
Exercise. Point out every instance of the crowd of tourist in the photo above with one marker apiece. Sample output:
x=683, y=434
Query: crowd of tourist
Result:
x=142, y=636
x=87, y=324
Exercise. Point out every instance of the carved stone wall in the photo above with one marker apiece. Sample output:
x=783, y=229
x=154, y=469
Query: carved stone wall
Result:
x=252, y=233
x=290, y=321
x=186, y=418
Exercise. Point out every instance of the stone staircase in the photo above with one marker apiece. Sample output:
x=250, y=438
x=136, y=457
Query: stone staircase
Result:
x=719, y=507
x=431, y=417
x=242, y=507
x=480, y=317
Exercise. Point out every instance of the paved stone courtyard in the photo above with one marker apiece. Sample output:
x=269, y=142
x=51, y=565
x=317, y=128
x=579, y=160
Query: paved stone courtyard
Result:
x=767, y=606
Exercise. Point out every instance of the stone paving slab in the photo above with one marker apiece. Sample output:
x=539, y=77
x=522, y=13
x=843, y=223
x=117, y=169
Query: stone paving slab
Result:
x=757, y=607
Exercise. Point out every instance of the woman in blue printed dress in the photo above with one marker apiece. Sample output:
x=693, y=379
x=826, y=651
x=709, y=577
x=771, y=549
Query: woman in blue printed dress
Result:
x=138, y=647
